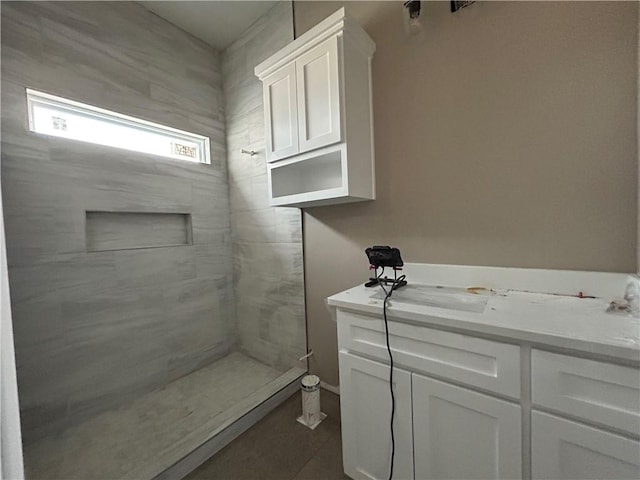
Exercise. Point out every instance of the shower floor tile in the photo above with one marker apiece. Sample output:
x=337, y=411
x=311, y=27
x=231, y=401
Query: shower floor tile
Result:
x=143, y=438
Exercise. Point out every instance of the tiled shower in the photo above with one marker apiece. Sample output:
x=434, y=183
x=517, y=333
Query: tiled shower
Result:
x=114, y=334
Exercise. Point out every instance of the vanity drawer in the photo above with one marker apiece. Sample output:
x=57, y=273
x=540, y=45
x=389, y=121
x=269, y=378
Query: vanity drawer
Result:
x=597, y=391
x=486, y=364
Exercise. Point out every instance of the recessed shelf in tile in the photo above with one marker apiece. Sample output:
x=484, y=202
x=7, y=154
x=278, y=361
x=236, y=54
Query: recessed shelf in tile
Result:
x=131, y=230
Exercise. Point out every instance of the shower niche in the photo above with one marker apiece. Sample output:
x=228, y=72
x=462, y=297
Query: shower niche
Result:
x=131, y=230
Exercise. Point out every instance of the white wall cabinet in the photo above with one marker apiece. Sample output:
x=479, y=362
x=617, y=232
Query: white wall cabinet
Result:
x=279, y=90
x=302, y=103
x=461, y=425
x=318, y=118
x=459, y=433
x=318, y=89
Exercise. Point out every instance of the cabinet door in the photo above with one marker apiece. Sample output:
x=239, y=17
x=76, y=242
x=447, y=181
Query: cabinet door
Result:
x=280, y=113
x=564, y=449
x=459, y=433
x=318, y=86
x=366, y=412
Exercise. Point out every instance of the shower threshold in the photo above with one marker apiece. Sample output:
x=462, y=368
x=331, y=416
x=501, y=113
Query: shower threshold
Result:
x=155, y=431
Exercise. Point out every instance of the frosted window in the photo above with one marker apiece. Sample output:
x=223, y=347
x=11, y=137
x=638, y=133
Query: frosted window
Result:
x=51, y=115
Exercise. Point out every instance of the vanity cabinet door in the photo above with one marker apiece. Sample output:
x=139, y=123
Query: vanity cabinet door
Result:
x=459, y=433
x=318, y=86
x=280, y=113
x=564, y=449
x=366, y=412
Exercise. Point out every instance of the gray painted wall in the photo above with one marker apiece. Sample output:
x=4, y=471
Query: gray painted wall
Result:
x=267, y=242
x=94, y=329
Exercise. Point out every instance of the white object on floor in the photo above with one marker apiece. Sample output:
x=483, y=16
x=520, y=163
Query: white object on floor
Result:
x=311, y=414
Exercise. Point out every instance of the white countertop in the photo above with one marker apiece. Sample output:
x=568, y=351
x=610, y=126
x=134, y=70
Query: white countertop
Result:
x=561, y=321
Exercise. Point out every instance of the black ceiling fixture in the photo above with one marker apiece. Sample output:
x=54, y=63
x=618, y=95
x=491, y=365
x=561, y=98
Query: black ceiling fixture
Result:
x=458, y=4
x=413, y=6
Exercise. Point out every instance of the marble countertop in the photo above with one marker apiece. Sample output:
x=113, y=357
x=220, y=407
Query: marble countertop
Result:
x=557, y=320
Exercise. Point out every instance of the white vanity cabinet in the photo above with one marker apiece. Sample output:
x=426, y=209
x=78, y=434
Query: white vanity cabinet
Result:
x=591, y=391
x=366, y=412
x=318, y=118
x=459, y=433
x=442, y=430
x=484, y=406
x=567, y=449
x=531, y=385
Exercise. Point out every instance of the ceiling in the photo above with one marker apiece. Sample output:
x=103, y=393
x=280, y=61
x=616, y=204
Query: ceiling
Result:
x=217, y=23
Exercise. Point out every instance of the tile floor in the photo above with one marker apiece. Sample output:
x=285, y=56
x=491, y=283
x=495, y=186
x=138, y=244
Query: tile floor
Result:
x=279, y=448
x=142, y=439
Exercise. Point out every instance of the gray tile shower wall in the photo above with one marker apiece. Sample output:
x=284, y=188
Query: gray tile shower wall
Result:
x=267, y=242
x=94, y=329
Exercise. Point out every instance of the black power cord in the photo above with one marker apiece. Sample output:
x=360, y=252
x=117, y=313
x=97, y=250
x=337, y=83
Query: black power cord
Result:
x=387, y=296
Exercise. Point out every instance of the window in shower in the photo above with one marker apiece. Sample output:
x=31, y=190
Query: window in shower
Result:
x=61, y=117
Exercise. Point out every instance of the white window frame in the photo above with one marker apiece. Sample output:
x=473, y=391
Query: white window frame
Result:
x=40, y=99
